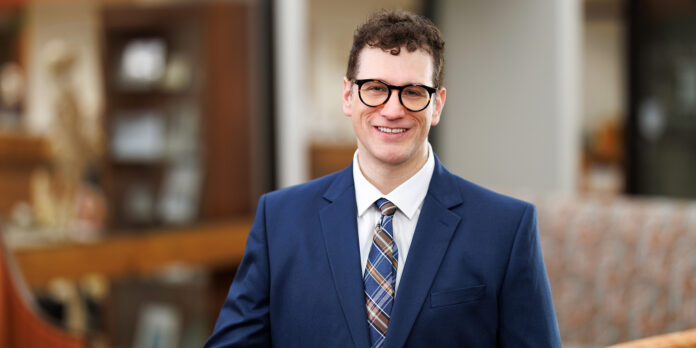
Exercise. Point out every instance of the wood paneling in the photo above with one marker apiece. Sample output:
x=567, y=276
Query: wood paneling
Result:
x=227, y=184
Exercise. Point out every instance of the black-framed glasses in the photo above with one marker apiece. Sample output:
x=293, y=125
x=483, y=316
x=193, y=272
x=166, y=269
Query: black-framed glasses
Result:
x=413, y=97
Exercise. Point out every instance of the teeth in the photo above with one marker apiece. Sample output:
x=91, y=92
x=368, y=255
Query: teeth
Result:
x=391, y=130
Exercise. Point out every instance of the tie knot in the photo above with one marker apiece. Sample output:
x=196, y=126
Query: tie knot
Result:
x=386, y=207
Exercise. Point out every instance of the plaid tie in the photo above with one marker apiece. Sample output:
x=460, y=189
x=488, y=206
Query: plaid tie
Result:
x=380, y=274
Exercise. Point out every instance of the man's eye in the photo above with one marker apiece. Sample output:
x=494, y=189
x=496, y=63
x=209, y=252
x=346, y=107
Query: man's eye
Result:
x=414, y=93
x=376, y=89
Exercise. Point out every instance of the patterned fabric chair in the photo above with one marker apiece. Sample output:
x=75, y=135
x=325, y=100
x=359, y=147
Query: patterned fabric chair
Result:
x=620, y=268
x=20, y=324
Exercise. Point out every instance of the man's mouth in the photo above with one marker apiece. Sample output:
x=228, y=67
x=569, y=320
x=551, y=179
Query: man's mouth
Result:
x=391, y=130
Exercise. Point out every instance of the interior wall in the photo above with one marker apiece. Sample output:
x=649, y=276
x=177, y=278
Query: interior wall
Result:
x=512, y=76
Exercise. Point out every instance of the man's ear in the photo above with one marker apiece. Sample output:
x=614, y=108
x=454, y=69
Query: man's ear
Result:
x=347, y=97
x=440, y=96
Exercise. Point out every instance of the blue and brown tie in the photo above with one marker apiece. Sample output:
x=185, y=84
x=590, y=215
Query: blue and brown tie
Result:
x=380, y=275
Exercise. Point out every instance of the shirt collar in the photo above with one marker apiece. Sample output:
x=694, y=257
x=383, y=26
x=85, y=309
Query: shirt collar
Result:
x=408, y=196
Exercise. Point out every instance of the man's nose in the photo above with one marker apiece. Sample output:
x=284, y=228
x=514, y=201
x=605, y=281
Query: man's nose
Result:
x=393, y=108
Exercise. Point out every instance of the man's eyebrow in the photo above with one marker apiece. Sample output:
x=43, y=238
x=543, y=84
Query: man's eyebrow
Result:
x=393, y=84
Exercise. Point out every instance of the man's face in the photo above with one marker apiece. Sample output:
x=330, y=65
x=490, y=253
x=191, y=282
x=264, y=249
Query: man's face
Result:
x=378, y=129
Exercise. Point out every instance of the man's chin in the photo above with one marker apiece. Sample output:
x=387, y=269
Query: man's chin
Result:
x=393, y=159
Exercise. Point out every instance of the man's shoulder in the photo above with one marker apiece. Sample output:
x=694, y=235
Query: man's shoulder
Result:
x=484, y=197
x=489, y=210
x=312, y=189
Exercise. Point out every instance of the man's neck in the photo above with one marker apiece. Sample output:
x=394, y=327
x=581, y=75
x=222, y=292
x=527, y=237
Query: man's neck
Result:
x=388, y=177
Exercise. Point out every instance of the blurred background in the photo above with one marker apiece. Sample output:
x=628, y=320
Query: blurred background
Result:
x=136, y=137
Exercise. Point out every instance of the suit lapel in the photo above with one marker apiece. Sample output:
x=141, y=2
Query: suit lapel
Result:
x=434, y=230
x=340, y=230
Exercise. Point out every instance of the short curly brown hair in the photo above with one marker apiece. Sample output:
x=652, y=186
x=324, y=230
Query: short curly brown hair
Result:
x=392, y=29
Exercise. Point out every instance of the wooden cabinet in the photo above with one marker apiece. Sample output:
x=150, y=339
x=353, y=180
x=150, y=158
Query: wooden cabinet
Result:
x=177, y=118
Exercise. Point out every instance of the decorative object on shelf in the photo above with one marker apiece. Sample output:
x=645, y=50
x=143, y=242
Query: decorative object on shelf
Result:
x=65, y=292
x=180, y=196
x=42, y=198
x=12, y=91
x=73, y=147
x=158, y=326
x=651, y=120
x=138, y=136
x=142, y=64
x=178, y=74
x=12, y=76
x=91, y=210
x=139, y=203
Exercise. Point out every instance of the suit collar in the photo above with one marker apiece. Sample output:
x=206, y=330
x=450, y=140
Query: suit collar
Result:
x=435, y=228
x=343, y=181
x=340, y=231
x=442, y=186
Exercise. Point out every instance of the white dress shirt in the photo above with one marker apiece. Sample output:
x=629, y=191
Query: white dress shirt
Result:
x=408, y=198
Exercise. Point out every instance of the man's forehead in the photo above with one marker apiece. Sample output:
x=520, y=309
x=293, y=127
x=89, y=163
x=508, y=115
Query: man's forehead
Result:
x=395, y=66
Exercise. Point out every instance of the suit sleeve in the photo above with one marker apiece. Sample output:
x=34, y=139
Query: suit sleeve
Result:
x=527, y=316
x=244, y=317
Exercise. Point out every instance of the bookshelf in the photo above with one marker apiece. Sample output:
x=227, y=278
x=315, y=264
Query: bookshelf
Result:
x=177, y=117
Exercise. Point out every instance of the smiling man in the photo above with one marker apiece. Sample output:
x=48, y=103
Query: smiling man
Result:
x=393, y=251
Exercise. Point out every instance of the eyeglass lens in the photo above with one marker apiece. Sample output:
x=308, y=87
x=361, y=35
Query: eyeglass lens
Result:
x=414, y=98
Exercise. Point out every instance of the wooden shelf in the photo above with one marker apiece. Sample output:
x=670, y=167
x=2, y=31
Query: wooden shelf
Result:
x=215, y=246
x=20, y=155
x=22, y=150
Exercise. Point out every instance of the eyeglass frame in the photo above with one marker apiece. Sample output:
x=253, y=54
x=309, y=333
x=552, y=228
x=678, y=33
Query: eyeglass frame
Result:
x=431, y=91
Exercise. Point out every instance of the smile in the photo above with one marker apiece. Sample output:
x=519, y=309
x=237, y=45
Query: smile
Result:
x=391, y=130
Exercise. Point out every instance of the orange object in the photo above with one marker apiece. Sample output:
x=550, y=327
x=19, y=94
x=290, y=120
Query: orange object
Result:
x=21, y=326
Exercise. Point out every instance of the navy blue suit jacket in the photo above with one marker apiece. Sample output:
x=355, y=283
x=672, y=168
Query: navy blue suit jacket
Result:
x=474, y=277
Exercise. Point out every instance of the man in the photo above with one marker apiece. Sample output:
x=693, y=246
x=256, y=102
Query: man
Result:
x=394, y=250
